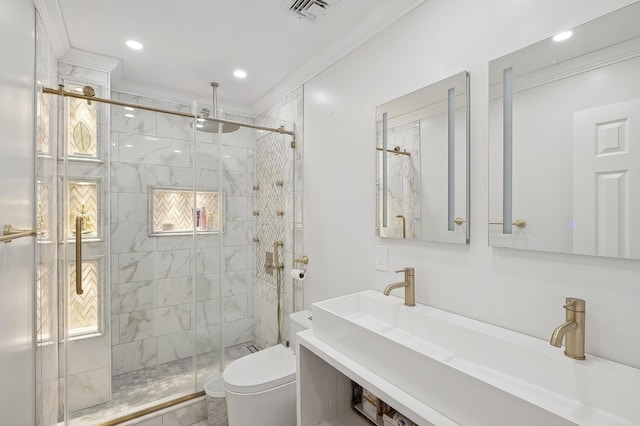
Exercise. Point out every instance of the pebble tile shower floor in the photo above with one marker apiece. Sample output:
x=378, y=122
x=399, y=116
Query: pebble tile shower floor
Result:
x=149, y=385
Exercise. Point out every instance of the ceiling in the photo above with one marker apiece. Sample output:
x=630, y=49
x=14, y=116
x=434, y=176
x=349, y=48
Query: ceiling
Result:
x=189, y=43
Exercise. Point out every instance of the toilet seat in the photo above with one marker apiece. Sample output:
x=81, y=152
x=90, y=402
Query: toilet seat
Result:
x=261, y=371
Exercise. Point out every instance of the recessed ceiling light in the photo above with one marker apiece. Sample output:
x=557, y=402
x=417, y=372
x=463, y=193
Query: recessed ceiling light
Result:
x=135, y=45
x=563, y=36
x=151, y=138
x=129, y=146
x=129, y=115
x=177, y=151
x=240, y=74
x=129, y=109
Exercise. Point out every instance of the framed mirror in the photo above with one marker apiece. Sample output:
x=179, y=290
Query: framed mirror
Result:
x=564, y=141
x=422, y=146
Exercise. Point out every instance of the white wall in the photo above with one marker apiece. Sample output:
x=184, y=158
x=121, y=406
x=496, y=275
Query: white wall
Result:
x=519, y=290
x=17, y=353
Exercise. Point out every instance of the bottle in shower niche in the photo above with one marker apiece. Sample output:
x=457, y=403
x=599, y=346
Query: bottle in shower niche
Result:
x=203, y=218
x=197, y=219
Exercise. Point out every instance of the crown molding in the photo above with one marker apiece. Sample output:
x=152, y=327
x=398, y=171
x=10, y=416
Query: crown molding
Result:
x=90, y=60
x=377, y=21
x=49, y=11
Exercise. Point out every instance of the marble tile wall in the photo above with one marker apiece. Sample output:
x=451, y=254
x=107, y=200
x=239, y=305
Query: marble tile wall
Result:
x=47, y=384
x=289, y=110
x=154, y=320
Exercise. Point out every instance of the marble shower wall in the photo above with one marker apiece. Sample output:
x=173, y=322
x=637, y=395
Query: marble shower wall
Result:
x=47, y=384
x=152, y=286
x=288, y=110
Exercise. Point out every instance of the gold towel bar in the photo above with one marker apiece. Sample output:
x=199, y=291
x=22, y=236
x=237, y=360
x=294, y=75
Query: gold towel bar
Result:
x=11, y=233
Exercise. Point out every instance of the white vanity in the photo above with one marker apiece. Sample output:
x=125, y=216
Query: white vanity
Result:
x=439, y=368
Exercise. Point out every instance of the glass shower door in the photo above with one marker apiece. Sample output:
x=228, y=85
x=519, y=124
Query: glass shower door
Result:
x=131, y=331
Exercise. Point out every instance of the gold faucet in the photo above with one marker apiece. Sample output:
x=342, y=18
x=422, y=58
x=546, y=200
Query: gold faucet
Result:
x=573, y=329
x=409, y=285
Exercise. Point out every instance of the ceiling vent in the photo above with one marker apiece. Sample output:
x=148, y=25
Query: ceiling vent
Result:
x=311, y=10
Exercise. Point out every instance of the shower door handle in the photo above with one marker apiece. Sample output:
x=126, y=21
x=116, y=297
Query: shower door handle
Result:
x=79, y=255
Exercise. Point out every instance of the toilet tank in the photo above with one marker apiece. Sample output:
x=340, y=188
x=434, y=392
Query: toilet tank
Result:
x=298, y=321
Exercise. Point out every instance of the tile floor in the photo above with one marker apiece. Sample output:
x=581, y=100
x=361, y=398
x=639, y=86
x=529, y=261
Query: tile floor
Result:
x=131, y=391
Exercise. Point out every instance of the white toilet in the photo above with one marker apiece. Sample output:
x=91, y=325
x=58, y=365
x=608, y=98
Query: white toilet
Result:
x=261, y=387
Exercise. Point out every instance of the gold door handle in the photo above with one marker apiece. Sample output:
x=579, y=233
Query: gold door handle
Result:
x=79, y=255
x=459, y=221
x=520, y=223
x=11, y=233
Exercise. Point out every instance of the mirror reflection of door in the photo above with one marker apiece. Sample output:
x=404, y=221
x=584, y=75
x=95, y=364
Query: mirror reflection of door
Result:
x=606, y=159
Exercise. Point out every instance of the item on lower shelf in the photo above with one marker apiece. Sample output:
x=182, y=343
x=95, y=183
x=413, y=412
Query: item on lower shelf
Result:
x=387, y=417
x=401, y=420
x=369, y=408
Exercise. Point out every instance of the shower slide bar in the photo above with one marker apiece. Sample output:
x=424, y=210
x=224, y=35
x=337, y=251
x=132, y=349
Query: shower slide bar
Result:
x=61, y=92
x=10, y=233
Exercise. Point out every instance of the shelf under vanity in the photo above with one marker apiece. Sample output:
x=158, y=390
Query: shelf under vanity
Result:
x=324, y=389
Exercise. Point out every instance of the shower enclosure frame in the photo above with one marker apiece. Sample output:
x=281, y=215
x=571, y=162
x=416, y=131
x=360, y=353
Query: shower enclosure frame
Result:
x=90, y=97
x=63, y=93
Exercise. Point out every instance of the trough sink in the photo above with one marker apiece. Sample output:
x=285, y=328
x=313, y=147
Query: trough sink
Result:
x=473, y=372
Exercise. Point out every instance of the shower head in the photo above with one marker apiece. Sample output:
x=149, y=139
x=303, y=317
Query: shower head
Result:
x=206, y=124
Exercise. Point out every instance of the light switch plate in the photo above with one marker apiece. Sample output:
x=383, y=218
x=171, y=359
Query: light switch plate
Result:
x=382, y=258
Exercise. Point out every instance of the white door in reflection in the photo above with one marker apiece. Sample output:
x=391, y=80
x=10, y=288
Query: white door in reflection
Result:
x=606, y=180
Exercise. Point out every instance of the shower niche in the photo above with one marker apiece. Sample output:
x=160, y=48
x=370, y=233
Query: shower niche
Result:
x=171, y=211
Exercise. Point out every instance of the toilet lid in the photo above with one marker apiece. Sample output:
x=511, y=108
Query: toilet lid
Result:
x=260, y=371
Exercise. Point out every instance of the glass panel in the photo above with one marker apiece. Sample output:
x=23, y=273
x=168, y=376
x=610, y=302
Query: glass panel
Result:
x=143, y=318
x=43, y=207
x=85, y=313
x=211, y=255
x=47, y=219
x=83, y=202
x=44, y=123
x=277, y=214
x=82, y=125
